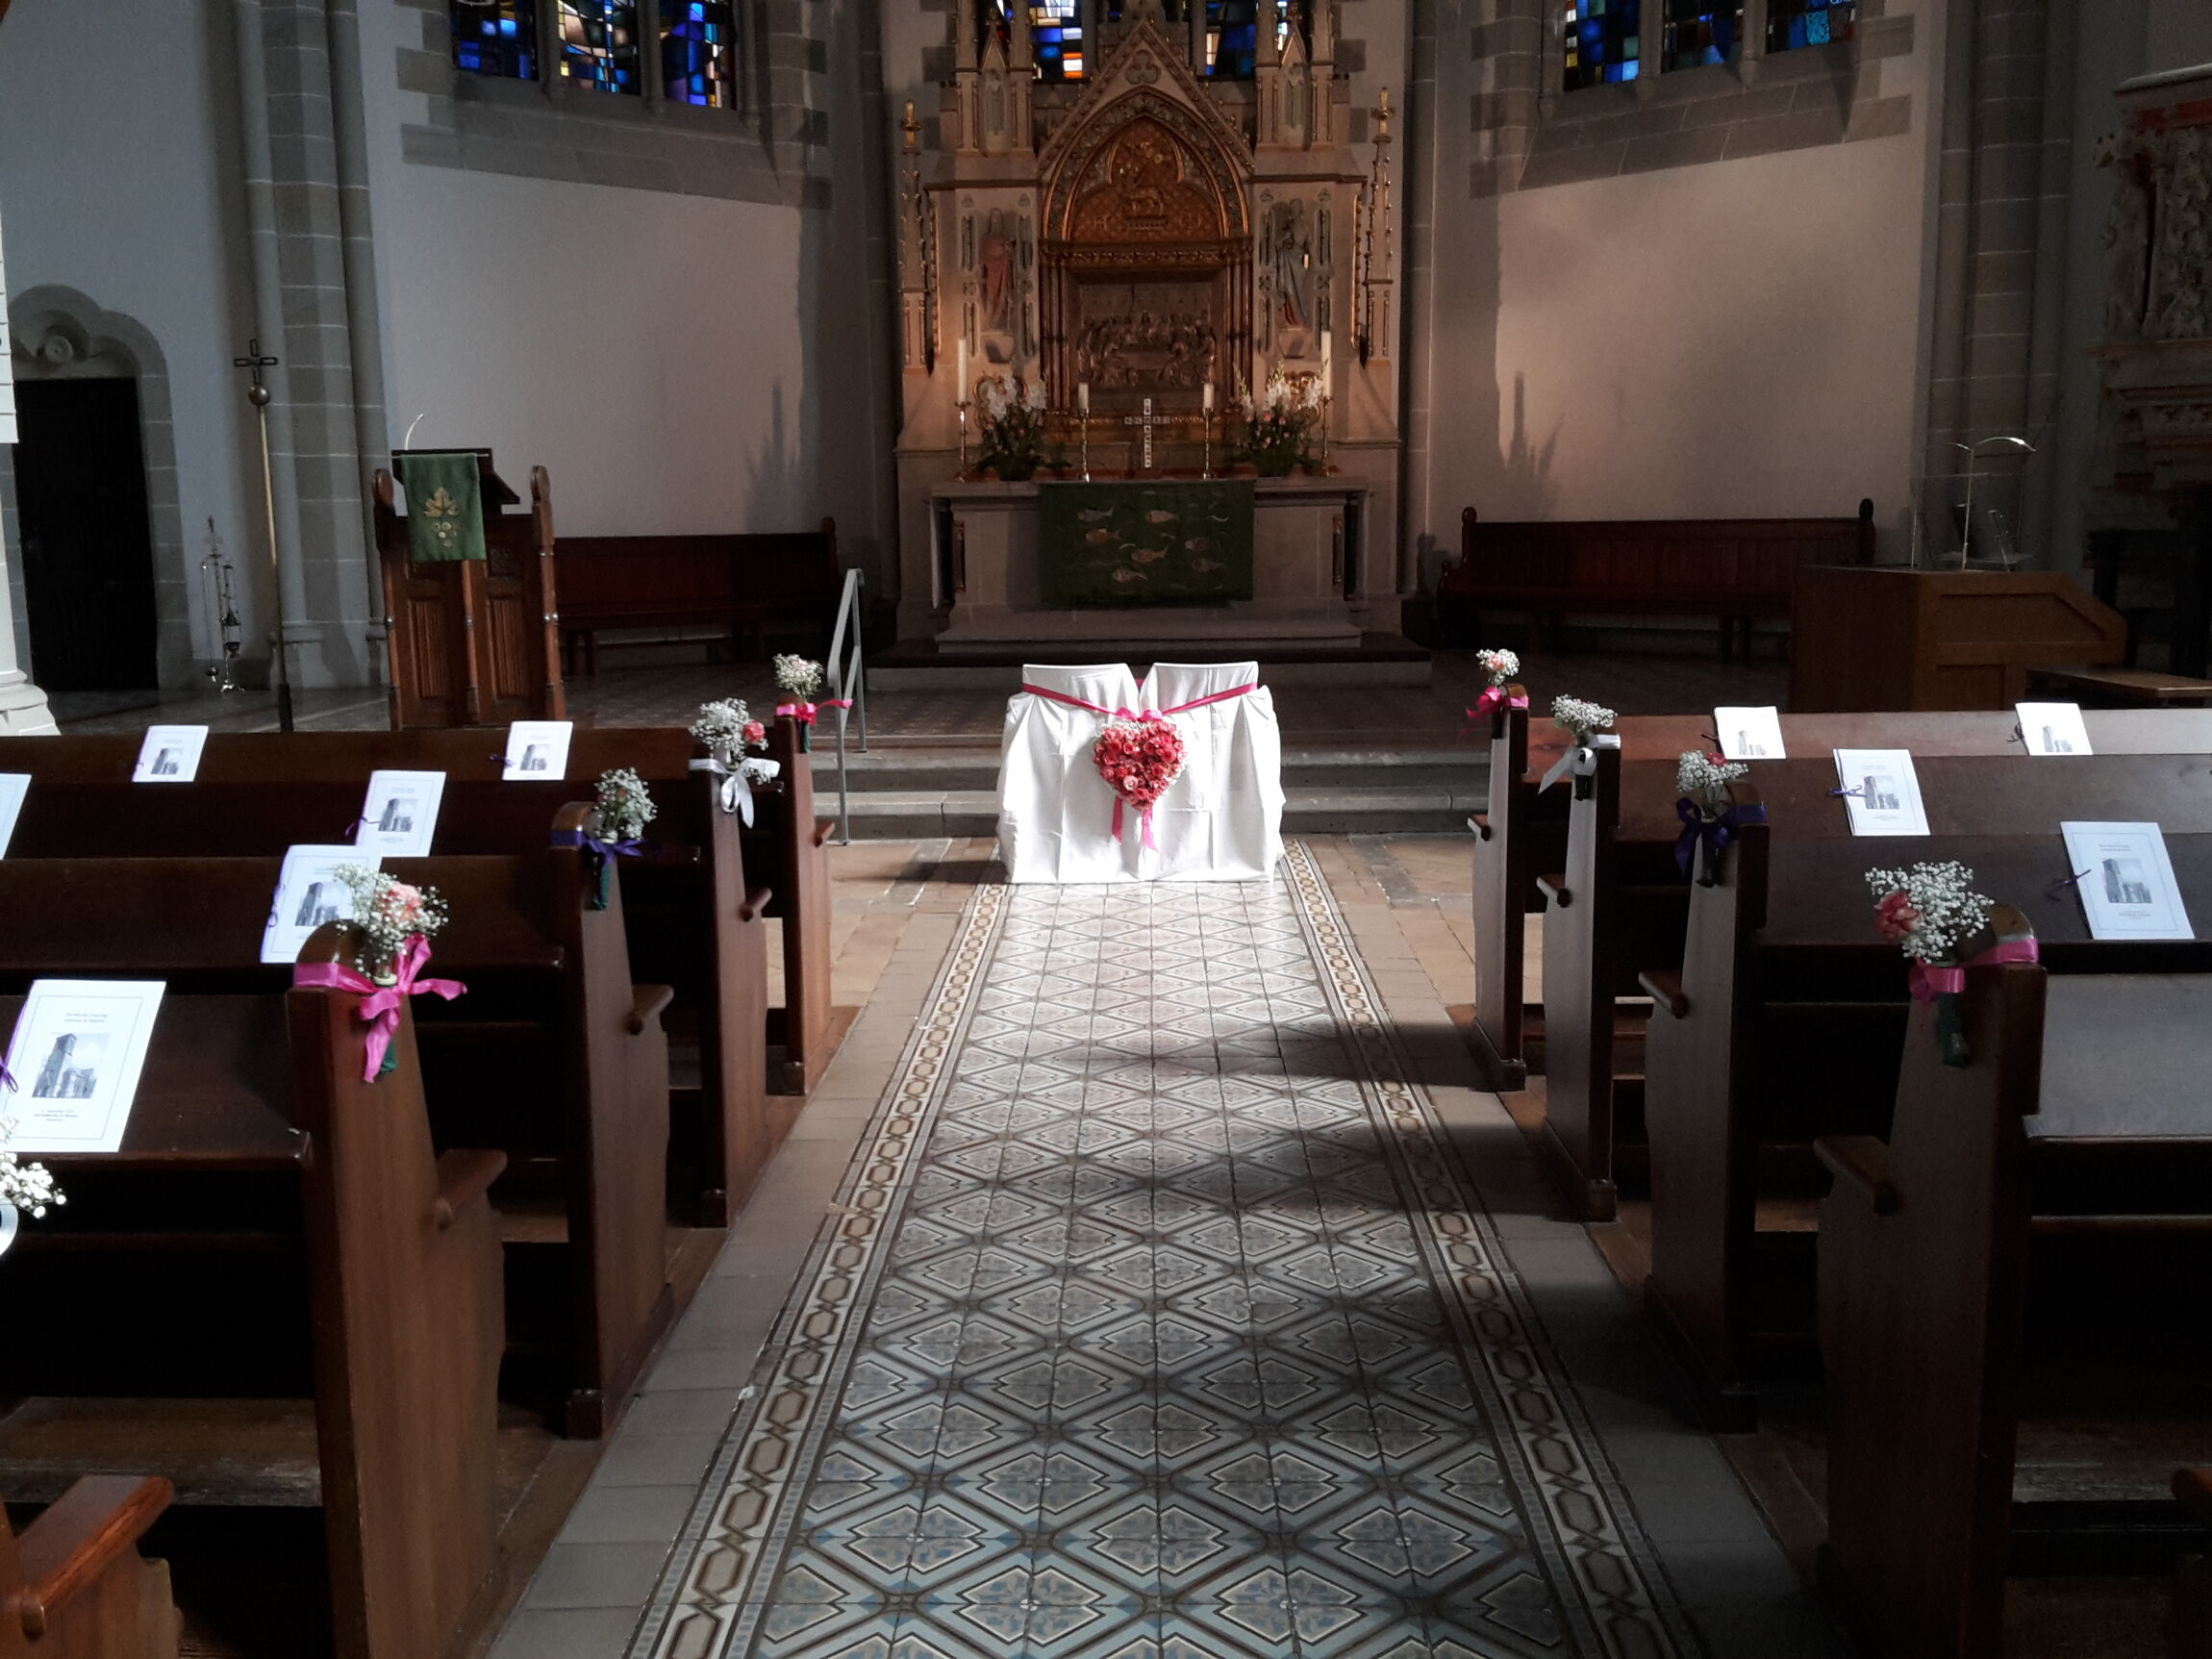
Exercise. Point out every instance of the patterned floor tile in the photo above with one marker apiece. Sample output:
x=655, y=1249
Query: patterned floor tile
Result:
x=1180, y=1337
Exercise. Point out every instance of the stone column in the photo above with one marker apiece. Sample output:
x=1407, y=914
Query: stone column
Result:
x=22, y=705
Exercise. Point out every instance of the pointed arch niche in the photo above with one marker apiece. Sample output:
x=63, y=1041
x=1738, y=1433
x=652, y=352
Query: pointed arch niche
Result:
x=1146, y=258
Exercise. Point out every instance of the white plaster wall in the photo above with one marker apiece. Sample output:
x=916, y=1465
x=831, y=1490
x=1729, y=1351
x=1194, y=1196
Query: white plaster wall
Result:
x=677, y=363
x=117, y=169
x=1734, y=339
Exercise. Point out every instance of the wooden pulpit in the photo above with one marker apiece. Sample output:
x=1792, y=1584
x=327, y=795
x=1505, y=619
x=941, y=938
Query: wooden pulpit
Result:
x=474, y=641
x=1865, y=637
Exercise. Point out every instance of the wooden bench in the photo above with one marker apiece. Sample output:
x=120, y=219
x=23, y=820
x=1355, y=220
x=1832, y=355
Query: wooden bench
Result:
x=1785, y=1020
x=1618, y=903
x=2013, y=1278
x=1733, y=568
x=695, y=913
x=785, y=582
x=2118, y=688
x=276, y=1252
x=74, y=1583
x=555, y=1056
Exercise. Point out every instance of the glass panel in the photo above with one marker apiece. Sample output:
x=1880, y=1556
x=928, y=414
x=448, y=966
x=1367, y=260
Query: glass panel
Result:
x=697, y=59
x=1058, y=39
x=1602, y=42
x=1232, y=39
x=1808, y=22
x=495, y=38
x=1700, y=32
x=600, y=43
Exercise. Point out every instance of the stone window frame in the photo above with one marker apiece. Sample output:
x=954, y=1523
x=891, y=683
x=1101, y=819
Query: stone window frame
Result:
x=1531, y=132
x=767, y=149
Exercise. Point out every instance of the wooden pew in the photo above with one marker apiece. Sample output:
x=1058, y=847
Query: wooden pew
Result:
x=1785, y=1020
x=2067, y=1160
x=1732, y=569
x=555, y=1056
x=697, y=918
x=2189, y=1625
x=276, y=1228
x=1617, y=902
x=782, y=581
x=74, y=1586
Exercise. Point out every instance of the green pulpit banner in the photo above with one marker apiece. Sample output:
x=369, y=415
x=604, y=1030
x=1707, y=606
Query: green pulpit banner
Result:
x=444, y=506
x=1142, y=544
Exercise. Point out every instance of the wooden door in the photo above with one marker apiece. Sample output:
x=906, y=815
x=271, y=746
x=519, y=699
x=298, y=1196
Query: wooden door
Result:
x=88, y=546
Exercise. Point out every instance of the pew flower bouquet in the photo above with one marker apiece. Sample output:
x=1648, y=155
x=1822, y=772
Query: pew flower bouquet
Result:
x=1709, y=814
x=25, y=1188
x=387, y=916
x=622, y=808
x=1138, y=759
x=1499, y=666
x=1582, y=721
x=727, y=729
x=800, y=676
x=1013, y=425
x=1932, y=913
x=1501, y=693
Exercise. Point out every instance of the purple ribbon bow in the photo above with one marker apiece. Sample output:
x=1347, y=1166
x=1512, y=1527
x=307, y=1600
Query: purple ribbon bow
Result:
x=1715, y=833
x=603, y=855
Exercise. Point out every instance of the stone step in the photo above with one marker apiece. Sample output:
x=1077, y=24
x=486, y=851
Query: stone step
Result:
x=897, y=814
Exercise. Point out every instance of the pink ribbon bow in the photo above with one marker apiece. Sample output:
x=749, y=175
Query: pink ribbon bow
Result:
x=380, y=1004
x=804, y=712
x=1492, y=698
x=1931, y=980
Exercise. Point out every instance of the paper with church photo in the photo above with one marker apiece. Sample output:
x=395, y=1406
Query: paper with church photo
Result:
x=1749, y=734
x=170, y=755
x=308, y=895
x=537, y=751
x=76, y=1054
x=1881, y=792
x=13, y=787
x=400, y=814
x=2053, y=728
x=2126, y=881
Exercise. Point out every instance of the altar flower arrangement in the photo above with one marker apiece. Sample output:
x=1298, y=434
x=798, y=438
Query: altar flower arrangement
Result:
x=1013, y=428
x=1139, y=760
x=25, y=1187
x=1710, y=815
x=1276, y=428
x=1933, y=915
x=387, y=916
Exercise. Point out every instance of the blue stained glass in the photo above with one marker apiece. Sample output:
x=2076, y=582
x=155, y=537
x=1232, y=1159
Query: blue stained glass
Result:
x=600, y=43
x=698, y=40
x=1700, y=32
x=1052, y=29
x=1603, y=44
x=1795, y=23
x=498, y=37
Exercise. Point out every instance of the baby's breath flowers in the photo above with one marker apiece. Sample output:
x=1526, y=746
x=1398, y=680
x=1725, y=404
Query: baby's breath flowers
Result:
x=625, y=804
x=801, y=676
x=728, y=728
x=388, y=913
x=1585, y=720
x=1930, y=910
x=29, y=1187
x=1704, y=778
x=1499, y=666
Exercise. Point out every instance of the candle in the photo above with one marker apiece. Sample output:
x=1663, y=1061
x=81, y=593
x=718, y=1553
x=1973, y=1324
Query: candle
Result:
x=1083, y=397
x=960, y=381
x=1324, y=359
x=1208, y=404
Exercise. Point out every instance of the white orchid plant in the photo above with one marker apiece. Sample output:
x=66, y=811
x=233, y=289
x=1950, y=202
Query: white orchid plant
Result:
x=1012, y=422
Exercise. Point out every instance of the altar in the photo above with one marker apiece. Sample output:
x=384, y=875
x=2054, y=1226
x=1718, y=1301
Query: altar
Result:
x=1306, y=536
x=1147, y=266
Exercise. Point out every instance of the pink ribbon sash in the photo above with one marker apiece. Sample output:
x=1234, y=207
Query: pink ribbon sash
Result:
x=380, y=1004
x=1143, y=814
x=1931, y=980
x=1492, y=698
x=804, y=712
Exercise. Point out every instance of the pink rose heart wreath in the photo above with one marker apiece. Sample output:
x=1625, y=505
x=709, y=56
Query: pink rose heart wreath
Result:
x=1138, y=759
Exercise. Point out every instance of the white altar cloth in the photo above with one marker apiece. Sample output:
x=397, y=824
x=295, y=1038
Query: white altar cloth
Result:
x=1221, y=819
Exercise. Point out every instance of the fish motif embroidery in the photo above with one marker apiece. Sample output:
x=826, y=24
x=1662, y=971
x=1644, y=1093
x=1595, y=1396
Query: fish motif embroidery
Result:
x=1128, y=576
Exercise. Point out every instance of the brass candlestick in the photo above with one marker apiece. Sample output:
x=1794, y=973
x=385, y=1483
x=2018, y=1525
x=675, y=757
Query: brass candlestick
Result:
x=1206, y=443
x=1324, y=431
x=1083, y=430
x=961, y=405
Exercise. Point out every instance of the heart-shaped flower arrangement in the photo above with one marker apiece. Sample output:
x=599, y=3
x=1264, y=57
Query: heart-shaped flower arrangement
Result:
x=1138, y=759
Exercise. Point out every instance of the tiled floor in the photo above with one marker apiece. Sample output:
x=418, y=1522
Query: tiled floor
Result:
x=1310, y=1207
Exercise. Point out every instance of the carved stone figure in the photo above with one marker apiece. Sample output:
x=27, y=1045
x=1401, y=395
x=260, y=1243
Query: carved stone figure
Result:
x=2181, y=267
x=2126, y=240
x=1292, y=257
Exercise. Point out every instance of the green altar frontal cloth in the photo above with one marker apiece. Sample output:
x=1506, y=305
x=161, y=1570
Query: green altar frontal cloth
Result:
x=444, y=506
x=1188, y=542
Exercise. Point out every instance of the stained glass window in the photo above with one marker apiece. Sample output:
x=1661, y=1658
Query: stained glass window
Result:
x=1808, y=22
x=1232, y=39
x=1056, y=32
x=495, y=38
x=1603, y=43
x=600, y=43
x=698, y=40
x=1700, y=32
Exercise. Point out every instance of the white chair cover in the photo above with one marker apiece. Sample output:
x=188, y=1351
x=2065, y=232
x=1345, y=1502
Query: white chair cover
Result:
x=1055, y=813
x=1221, y=820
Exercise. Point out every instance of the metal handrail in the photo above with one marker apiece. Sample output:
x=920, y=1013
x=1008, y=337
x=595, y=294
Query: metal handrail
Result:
x=848, y=679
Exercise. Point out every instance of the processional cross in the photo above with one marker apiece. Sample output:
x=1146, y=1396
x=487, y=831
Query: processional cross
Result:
x=1145, y=422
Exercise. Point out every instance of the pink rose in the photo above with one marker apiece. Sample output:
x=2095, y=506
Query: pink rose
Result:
x=1895, y=917
x=755, y=732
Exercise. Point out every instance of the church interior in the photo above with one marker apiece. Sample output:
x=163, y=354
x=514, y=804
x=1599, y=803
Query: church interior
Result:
x=1109, y=903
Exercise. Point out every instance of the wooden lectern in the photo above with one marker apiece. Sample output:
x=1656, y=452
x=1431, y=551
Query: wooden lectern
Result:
x=475, y=642
x=1886, y=637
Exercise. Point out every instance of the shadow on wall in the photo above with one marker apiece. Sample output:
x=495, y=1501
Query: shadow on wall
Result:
x=777, y=491
x=1523, y=484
